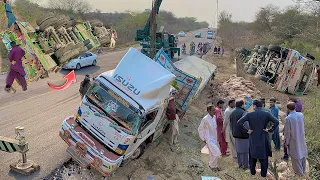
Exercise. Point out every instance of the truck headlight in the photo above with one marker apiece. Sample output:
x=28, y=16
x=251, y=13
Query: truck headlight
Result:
x=121, y=149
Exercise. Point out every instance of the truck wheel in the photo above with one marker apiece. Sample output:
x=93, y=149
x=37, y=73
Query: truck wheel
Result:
x=47, y=23
x=252, y=71
x=262, y=78
x=89, y=46
x=44, y=18
x=265, y=48
x=139, y=151
x=96, y=23
x=62, y=20
x=68, y=56
x=274, y=48
x=86, y=42
x=263, y=52
x=60, y=52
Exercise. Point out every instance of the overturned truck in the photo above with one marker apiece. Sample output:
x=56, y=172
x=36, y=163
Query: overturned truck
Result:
x=57, y=40
x=283, y=68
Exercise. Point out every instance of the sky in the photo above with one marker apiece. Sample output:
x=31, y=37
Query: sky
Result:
x=203, y=10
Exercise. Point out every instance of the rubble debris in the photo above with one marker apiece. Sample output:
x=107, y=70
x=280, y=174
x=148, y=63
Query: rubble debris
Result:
x=236, y=88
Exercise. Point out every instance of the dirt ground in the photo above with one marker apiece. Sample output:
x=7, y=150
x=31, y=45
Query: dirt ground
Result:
x=185, y=161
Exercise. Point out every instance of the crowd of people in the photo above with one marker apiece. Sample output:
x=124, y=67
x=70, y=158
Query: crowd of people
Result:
x=248, y=135
x=218, y=50
x=202, y=48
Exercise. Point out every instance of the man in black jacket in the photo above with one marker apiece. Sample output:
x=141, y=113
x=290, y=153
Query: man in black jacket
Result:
x=84, y=86
x=259, y=144
x=240, y=135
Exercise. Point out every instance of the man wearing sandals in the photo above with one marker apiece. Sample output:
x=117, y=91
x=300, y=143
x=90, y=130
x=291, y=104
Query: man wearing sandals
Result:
x=208, y=134
x=16, y=68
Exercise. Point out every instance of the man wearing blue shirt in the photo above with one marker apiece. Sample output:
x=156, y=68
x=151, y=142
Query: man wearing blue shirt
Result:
x=274, y=110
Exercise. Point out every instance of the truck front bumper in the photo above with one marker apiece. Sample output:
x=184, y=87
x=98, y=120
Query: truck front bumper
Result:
x=87, y=151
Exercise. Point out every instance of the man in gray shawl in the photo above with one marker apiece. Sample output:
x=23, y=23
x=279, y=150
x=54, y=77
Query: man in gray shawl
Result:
x=294, y=135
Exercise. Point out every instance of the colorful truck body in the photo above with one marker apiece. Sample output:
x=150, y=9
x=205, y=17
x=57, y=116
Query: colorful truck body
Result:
x=124, y=110
x=57, y=40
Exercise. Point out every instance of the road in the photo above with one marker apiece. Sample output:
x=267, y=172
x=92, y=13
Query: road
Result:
x=41, y=111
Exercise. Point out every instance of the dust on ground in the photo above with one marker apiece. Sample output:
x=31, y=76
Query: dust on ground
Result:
x=185, y=161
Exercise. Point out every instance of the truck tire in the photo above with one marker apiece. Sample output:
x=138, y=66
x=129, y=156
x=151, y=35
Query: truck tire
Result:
x=47, y=23
x=262, y=78
x=60, y=52
x=104, y=40
x=62, y=21
x=44, y=18
x=263, y=52
x=71, y=23
x=68, y=56
x=89, y=46
x=79, y=45
x=96, y=23
x=86, y=42
x=274, y=48
x=265, y=48
x=139, y=151
x=252, y=71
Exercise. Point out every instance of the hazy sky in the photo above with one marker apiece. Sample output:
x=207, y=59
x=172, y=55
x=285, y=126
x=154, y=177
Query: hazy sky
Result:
x=204, y=10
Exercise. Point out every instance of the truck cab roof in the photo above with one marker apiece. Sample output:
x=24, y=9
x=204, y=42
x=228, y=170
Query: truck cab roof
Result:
x=142, y=79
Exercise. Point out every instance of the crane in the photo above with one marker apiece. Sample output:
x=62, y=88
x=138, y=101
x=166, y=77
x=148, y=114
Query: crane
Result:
x=152, y=41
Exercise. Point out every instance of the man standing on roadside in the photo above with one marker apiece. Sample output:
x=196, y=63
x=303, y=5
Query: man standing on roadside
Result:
x=113, y=39
x=274, y=110
x=16, y=68
x=227, y=128
x=221, y=134
x=259, y=144
x=294, y=135
x=298, y=105
x=208, y=134
x=173, y=117
x=84, y=85
x=240, y=135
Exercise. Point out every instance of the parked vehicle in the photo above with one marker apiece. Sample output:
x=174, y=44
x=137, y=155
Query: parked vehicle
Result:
x=181, y=34
x=124, y=110
x=87, y=59
x=210, y=35
x=198, y=35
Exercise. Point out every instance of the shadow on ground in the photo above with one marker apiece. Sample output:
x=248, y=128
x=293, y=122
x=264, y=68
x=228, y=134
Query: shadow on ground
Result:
x=82, y=71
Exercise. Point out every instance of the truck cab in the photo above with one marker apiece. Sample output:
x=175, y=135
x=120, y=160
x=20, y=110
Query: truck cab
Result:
x=124, y=110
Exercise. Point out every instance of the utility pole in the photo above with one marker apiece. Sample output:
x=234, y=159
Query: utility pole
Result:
x=153, y=28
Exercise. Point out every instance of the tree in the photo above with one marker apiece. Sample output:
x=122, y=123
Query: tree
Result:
x=264, y=18
x=225, y=17
x=72, y=6
x=28, y=10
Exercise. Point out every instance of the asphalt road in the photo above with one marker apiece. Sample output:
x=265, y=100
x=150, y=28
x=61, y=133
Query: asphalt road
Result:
x=41, y=111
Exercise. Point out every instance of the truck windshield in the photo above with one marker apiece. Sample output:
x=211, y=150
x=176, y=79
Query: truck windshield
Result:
x=114, y=106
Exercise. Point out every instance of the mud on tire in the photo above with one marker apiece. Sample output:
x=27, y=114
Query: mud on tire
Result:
x=60, y=52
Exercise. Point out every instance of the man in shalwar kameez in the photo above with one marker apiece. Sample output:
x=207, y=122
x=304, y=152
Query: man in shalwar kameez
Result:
x=208, y=134
x=227, y=128
x=259, y=143
x=221, y=134
x=294, y=135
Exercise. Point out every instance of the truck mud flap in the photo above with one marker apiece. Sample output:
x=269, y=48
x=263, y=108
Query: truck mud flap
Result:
x=81, y=161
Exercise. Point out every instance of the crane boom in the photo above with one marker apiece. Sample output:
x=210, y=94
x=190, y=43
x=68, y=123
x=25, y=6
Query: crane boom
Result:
x=145, y=33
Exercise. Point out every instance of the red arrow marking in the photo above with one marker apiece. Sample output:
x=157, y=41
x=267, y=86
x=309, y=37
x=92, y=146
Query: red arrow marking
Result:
x=71, y=77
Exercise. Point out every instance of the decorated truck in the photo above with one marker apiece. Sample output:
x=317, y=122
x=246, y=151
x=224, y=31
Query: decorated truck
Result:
x=284, y=69
x=57, y=40
x=124, y=110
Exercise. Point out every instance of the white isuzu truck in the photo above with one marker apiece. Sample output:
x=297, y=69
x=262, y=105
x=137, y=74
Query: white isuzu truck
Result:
x=124, y=109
